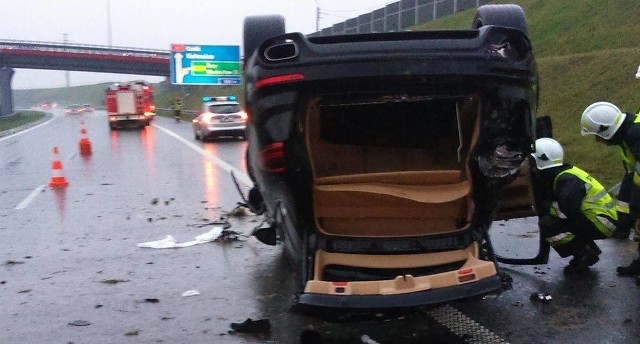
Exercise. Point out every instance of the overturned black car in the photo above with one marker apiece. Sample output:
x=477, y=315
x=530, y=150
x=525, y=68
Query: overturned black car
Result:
x=381, y=160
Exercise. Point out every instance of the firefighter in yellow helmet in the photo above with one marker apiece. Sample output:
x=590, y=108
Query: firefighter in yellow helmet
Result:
x=575, y=210
x=177, y=108
x=613, y=127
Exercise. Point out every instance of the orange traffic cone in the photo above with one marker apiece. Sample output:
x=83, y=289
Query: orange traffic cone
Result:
x=85, y=144
x=58, y=179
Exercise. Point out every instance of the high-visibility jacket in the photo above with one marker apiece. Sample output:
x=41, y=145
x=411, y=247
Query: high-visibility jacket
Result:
x=631, y=164
x=597, y=205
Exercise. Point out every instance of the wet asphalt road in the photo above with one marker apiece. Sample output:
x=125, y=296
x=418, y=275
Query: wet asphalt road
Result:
x=69, y=257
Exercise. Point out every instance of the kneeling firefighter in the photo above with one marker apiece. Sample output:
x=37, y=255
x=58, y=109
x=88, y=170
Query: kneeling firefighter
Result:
x=576, y=209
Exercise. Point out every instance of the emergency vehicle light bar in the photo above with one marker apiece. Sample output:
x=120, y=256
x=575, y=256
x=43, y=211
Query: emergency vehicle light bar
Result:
x=222, y=98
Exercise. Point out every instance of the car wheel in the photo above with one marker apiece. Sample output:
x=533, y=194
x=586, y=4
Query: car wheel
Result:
x=196, y=136
x=257, y=29
x=501, y=15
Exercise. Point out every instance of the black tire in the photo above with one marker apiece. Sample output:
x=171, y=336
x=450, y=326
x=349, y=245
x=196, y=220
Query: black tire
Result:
x=257, y=29
x=501, y=15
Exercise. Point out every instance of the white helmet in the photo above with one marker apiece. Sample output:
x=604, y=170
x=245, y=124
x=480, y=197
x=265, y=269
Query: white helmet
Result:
x=638, y=73
x=602, y=119
x=548, y=153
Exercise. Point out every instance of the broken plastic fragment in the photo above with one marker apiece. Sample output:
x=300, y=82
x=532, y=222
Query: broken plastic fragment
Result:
x=170, y=242
x=366, y=339
x=541, y=297
x=191, y=293
x=79, y=323
x=252, y=326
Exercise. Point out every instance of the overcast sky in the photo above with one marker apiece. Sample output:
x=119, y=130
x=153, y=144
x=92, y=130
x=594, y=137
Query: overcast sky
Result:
x=153, y=24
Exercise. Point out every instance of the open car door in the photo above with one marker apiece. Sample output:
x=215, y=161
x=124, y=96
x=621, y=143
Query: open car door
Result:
x=519, y=200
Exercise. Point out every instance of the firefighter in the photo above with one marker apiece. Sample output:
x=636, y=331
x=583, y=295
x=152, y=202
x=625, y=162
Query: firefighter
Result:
x=614, y=127
x=177, y=108
x=575, y=210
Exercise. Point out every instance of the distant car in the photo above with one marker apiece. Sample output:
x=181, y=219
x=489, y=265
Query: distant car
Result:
x=74, y=109
x=88, y=108
x=220, y=116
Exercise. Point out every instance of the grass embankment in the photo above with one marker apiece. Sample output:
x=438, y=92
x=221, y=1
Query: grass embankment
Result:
x=21, y=118
x=586, y=51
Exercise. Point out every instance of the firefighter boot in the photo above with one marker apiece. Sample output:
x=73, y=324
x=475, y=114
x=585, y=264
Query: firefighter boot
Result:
x=583, y=259
x=624, y=225
x=632, y=269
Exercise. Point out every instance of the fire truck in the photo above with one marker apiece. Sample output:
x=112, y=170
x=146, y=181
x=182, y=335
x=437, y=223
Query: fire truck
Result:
x=130, y=104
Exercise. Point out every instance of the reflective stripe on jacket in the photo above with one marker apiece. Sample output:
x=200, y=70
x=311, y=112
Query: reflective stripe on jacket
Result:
x=597, y=206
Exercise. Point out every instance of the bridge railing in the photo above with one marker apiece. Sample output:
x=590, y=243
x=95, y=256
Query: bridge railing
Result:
x=80, y=48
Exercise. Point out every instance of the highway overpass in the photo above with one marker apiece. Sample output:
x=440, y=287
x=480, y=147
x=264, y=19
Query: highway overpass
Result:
x=74, y=57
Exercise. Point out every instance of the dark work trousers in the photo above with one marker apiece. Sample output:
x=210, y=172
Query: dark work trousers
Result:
x=585, y=233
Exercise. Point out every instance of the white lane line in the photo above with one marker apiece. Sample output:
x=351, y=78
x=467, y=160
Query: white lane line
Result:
x=25, y=202
x=464, y=327
x=35, y=192
x=241, y=176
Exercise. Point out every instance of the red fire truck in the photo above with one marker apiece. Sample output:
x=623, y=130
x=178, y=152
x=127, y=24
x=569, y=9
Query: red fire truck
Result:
x=130, y=104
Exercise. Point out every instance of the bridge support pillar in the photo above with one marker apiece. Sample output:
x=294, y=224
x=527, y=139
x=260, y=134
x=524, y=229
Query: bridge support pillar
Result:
x=6, y=98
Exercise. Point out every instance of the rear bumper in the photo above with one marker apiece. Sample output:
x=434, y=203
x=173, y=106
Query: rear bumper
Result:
x=314, y=302
x=224, y=131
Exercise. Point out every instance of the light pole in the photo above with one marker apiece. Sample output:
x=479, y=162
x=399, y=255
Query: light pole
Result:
x=66, y=72
x=317, y=16
x=109, y=22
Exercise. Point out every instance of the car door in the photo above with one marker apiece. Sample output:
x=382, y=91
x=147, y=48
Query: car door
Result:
x=519, y=200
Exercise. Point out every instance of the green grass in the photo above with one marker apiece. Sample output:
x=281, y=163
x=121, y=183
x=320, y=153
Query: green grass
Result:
x=586, y=51
x=21, y=118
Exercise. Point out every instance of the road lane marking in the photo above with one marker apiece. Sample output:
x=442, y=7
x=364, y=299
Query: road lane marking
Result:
x=241, y=176
x=25, y=202
x=463, y=326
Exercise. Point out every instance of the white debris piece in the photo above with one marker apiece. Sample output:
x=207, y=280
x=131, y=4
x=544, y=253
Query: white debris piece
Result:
x=191, y=293
x=367, y=340
x=170, y=242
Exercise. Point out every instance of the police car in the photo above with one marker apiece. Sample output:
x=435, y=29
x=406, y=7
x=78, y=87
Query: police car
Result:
x=220, y=117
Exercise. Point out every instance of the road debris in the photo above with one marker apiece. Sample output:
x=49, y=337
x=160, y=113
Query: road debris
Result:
x=541, y=297
x=113, y=281
x=252, y=326
x=238, y=211
x=218, y=234
x=191, y=293
x=367, y=340
x=79, y=323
